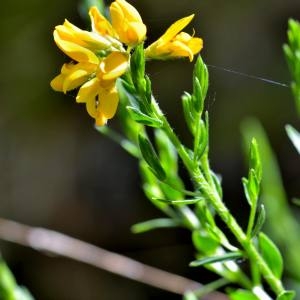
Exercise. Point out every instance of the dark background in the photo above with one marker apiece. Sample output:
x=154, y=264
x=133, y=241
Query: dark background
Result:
x=57, y=172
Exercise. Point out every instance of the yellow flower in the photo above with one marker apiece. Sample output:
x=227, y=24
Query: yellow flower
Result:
x=174, y=43
x=72, y=76
x=127, y=23
x=100, y=93
x=97, y=81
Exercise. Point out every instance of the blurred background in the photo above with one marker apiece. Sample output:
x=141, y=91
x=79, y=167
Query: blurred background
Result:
x=57, y=172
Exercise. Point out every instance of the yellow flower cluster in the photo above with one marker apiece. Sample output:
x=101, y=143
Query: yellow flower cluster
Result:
x=99, y=57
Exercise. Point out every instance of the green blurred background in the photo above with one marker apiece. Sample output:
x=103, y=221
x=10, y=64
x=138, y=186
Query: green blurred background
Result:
x=58, y=172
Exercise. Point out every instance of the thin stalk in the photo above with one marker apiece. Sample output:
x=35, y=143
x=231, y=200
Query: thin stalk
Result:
x=219, y=206
x=251, y=218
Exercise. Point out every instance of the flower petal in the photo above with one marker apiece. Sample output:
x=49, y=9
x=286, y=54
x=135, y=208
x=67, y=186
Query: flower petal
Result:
x=129, y=12
x=113, y=66
x=75, y=51
x=108, y=102
x=175, y=28
x=100, y=23
x=57, y=83
x=88, y=91
x=127, y=23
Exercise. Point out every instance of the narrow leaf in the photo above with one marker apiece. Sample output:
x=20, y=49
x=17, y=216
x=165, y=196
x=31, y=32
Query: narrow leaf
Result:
x=183, y=201
x=154, y=224
x=242, y=295
x=151, y=157
x=271, y=254
x=204, y=242
x=261, y=217
x=142, y=118
x=286, y=295
x=214, y=259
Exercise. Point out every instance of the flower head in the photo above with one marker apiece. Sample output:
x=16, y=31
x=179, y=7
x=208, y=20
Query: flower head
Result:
x=174, y=43
x=127, y=23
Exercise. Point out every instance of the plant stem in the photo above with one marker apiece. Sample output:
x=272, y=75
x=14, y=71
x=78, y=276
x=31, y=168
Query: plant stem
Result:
x=211, y=194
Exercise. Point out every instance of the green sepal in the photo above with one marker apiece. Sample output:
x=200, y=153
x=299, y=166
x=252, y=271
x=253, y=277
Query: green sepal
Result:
x=242, y=295
x=286, y=295
x=154, y=224
x=260, y=220
x=271, y=254
x=214, y=259
x=150, y=156
x=142, y=118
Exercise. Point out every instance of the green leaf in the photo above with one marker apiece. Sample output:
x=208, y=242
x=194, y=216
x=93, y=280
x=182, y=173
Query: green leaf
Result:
x=260, y=220
x=286, y=295
x=189, y=111
x=204, y=242
x=167, y=152
x=151, y=157
x=201, y=140
x=251, y=188
x=242, y=295
x=142, y=118
x=255, y=161
x=7, y=282
x=183, y=201
x=271, y=254
x=294, y=136
x=200, y=84
x=215, y=259
x=137, y=67
x=217, y=182
x=154, y=224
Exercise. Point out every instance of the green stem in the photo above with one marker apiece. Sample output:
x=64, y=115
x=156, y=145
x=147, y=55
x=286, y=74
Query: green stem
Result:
x=251, y=218
x=219, y=206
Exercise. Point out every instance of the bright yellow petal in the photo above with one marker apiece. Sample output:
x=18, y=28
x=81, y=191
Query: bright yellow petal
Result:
x=76, y=52
x=57, y=83
x=74, y=80
x=100, y=120
x=90, y=40
x=195, y=44
x=179, y=49
x=88, y=91
x=91, y=107
x=100, y=23
x=127, y=23
x=136, y=32
x=113, y=66
x=175, y=28
x=129, y=12
x=108, y=102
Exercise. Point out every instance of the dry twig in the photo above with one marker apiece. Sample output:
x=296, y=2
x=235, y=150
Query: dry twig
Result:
x=60, y=244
